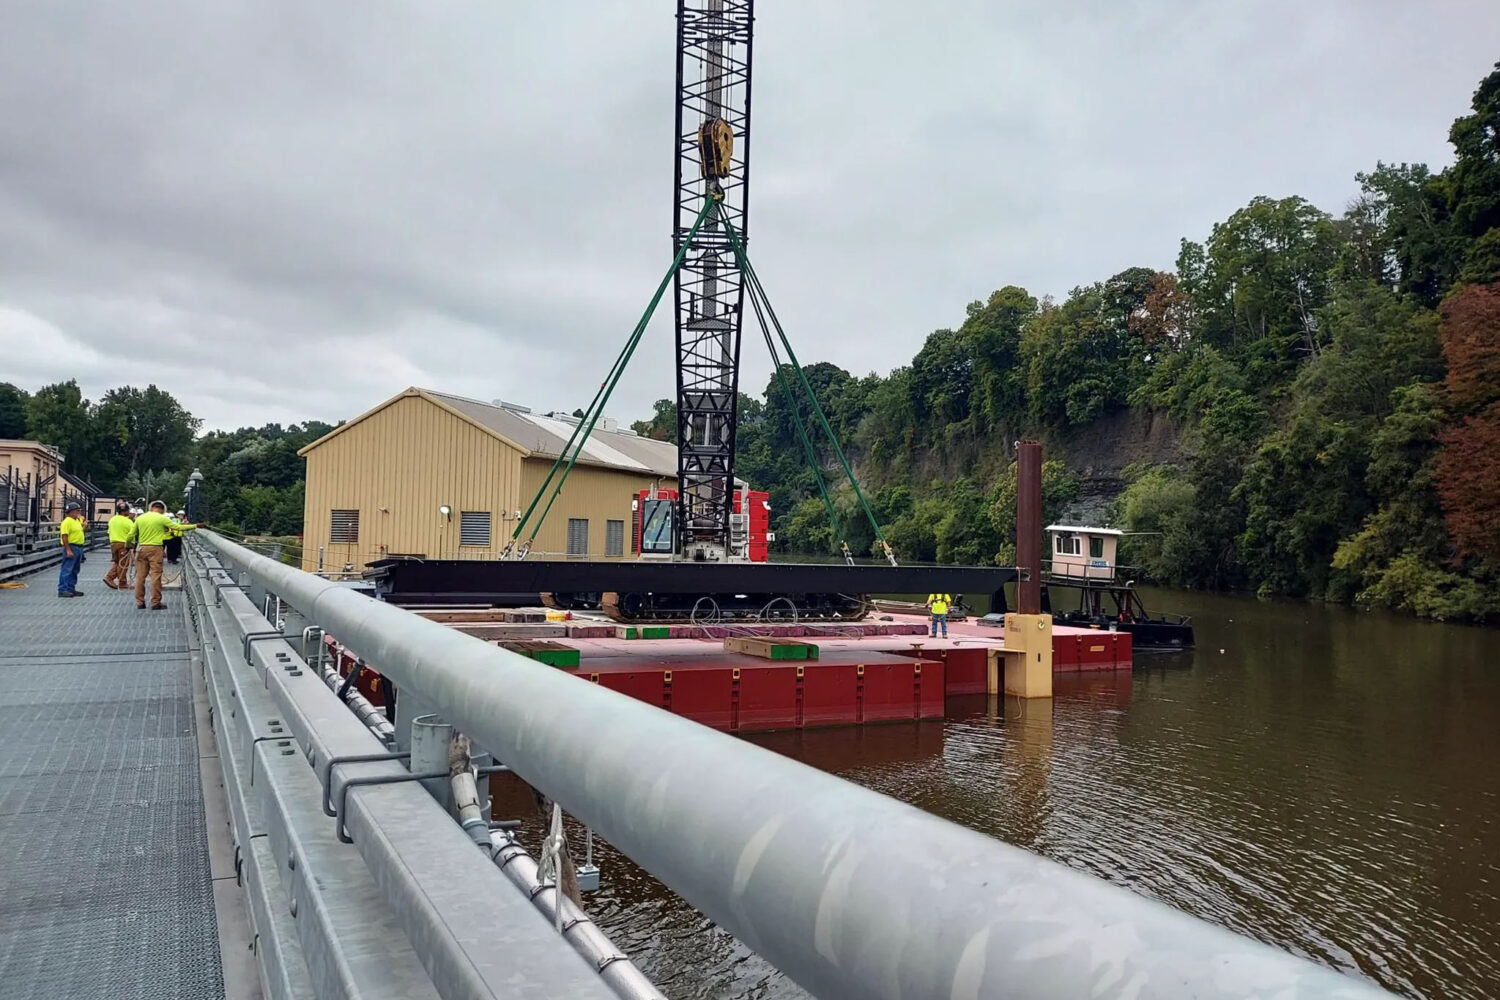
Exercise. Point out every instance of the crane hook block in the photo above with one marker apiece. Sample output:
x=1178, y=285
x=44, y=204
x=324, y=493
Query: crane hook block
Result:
x=715, y=147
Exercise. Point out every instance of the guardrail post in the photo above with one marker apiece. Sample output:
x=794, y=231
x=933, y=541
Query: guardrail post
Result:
x=430, y=739
x=409, y=708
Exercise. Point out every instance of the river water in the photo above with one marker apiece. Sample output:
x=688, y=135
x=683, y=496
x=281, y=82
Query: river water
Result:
x=1322, y=779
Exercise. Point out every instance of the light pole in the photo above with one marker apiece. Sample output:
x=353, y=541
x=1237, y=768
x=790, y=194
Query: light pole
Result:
x=194, y=483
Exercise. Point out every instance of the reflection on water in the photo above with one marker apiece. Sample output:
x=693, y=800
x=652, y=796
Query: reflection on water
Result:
x=1321, y=779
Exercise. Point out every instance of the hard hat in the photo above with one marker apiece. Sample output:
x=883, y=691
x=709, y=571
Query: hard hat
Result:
x=72, y=505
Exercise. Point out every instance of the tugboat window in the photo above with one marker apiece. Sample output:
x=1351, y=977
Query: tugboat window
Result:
x=1068, y=545
x=1096, y=548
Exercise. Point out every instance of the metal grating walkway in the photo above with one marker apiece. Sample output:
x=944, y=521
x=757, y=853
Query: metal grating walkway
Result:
x=104, y=874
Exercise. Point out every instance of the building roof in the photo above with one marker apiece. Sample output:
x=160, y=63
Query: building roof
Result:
x=23, y=444
x=81, y=484
x=1084, y=531
x=539, y=435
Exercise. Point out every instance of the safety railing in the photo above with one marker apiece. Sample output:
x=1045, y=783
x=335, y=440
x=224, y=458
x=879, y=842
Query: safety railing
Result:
x=358, y=882
x=849, y=892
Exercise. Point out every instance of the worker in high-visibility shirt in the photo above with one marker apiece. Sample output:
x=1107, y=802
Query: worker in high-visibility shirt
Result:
x=937, y=605
x=121, y=527
x=71, y=530
x=152, y=529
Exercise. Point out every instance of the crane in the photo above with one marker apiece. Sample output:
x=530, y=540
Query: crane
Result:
x=697, y=561
x=714, y=40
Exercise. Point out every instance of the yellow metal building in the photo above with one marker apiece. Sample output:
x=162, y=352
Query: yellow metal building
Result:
x=443, y=477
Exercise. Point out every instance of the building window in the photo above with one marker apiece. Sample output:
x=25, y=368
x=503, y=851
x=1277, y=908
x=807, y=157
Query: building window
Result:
x=614, y=538
x=344, y=528
x=578, y=536
x=474, y=528
x=1096, y=548
x=1068, y=545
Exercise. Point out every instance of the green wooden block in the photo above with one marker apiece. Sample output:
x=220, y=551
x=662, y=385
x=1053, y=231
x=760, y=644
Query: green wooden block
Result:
x=629, y=632
x=556, y=657
x=656, y=632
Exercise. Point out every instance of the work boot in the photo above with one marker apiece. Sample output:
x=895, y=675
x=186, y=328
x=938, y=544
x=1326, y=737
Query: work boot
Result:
x=140, y=607
x=158, y=607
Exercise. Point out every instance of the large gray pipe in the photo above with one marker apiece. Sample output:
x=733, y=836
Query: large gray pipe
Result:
x=849, y=892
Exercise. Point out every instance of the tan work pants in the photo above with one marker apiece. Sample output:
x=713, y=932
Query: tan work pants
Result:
x=148, y=560
x=119, y=564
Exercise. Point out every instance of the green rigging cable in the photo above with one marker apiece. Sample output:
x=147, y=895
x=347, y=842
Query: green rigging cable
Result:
x=791, y=400
x=607, y=387
x=755, y=287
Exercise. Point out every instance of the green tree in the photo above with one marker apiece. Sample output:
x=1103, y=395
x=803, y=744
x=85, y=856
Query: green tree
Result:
x=141, y=429
x=1059, y=489
x=1156, y=511
x=1261, y=278
x=13, y=402
x=1304, y=490
x=992, y=333
x=663, y=423
x=1475, y=176
x=58, y=415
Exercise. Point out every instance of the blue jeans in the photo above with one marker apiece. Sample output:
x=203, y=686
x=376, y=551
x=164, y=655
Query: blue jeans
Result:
x=940, y=619
x=67, y=575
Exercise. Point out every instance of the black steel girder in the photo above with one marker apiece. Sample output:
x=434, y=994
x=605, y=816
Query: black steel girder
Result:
x=465, y=581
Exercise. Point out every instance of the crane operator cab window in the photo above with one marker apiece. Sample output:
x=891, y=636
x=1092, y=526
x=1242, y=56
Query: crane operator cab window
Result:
x=656, y=526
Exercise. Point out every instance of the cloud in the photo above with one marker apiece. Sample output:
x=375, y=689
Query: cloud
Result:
x=283, y=210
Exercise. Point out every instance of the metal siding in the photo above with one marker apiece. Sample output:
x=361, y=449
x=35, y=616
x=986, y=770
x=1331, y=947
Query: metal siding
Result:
x=410, y=457
x=600, y=495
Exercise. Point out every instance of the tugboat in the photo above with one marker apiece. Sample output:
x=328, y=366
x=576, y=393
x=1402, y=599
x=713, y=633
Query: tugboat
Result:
x=1083, y=559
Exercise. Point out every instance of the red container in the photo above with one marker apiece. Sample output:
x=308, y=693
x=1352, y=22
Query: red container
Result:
x=887, y=692
x=643, y=685
x=965, y=670
x=830, y=695
x=931, y=688
x=705, y=696
x=767, y=698
x=1099, y=650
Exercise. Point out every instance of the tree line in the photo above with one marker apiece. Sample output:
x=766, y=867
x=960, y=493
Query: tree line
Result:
x=1335, y=379
x=142, y=443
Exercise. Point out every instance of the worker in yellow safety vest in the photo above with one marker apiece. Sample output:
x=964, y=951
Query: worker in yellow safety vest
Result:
x=937, y=605
x=71, y=530
x=121, y=527
x=152, y=529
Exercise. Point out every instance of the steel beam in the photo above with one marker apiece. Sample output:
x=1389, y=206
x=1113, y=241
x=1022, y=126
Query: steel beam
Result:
x=849, y=892
x=412, y=581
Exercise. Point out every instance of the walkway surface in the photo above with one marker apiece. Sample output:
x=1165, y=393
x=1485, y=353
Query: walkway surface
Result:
x=104, y=865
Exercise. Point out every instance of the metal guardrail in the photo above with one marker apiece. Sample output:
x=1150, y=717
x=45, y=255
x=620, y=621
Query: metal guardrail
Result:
x=26, y=548
x=849, y=892
x=410, y=909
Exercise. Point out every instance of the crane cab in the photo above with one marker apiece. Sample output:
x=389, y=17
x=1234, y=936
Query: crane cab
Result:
x=654, y=525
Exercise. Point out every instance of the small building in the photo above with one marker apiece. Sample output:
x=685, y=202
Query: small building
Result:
x=437, y=476
x=1081, y=553
x=30, y=471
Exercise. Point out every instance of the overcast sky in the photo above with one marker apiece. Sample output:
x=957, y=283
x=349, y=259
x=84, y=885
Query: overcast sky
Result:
x=278, y=209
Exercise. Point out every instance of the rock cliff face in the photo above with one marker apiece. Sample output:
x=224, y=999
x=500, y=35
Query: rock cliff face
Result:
x=1099, y=453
